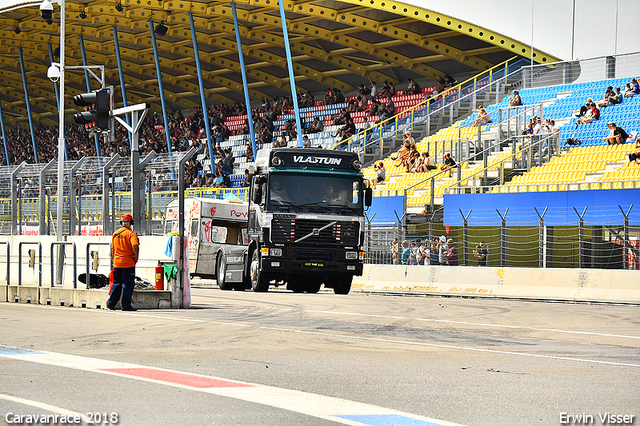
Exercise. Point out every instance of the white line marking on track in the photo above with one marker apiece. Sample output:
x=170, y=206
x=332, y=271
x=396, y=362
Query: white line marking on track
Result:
x=320, y=406
x=44, y=406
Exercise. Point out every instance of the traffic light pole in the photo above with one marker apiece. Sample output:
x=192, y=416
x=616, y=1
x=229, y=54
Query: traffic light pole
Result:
x=137, y=210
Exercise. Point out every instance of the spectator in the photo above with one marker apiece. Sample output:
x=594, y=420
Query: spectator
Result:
x=592, y=115
x=435, y=251
x=316, y=126
x=480, y=253
x=381, y=174
x=394, y=251
x=443, y=249
x=374, y=88
x=616, y=98
x=632, y=88
x=413, y=253
x=605, y=100
x=406, y=252
x=426, y=165
x=635, y=156
x=483, y=117
x=412, y=88
x=617, y=135
x=515, y=99
x=449, y=163
x=585, y=108
x=247, y=179
x=414, y=163
x=424, y=253
x=452, y=253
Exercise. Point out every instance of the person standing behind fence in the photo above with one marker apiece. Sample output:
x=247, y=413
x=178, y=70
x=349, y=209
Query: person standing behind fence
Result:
x=480, y=253
x=443, y=248
x=452, y=253
x=124, y=255
x=394, y=251
x=406, y=252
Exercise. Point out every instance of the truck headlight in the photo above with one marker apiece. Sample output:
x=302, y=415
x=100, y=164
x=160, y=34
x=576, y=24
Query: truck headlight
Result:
x=351, y=255
x=275, y=252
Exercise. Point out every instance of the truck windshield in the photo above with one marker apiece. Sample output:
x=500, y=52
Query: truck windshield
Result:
x=313, y=192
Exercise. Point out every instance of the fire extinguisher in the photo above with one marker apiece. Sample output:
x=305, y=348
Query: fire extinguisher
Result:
x=159, y=277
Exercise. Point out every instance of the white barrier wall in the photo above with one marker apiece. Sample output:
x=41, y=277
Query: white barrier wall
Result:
x=598, y=285
x=152, y=250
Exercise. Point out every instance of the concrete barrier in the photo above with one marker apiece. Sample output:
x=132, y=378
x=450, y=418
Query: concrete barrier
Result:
x=36, y=284
x=589, y=285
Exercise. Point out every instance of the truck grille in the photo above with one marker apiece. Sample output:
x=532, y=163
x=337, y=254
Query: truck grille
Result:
x=284, y=230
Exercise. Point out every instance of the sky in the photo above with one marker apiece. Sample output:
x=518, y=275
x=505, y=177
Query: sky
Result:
x=599, y=30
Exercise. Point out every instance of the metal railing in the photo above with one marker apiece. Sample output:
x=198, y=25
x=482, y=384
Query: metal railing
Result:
x=434, y=105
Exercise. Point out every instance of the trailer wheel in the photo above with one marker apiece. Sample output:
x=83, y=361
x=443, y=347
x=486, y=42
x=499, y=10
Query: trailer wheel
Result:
x=259, y=280
x=342, y=285
x=221, y=269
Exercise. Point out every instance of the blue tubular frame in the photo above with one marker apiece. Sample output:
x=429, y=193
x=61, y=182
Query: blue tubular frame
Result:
x=159, y=75
x=88, y=81
x=247, y=100
x=294, y=95
x=121, y=74
x=4, y=138
x=205, y=114
x=55, y=87
x=26, y=96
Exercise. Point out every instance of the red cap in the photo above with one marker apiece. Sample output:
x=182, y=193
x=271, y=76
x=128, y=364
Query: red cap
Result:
x=127, y=218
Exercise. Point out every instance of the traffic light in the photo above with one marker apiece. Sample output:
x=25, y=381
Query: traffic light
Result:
x=97, y=112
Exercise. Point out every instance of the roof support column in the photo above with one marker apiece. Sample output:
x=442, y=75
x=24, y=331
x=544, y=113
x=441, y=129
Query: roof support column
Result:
x=4, y=137
x=88, y=81
x=121, y=74
x=205, y=114
x=287, y=48
x=245, y=85
x=160, y=89
x=26, y=96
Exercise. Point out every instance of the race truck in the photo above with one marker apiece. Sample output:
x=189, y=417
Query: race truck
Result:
x=306, y=220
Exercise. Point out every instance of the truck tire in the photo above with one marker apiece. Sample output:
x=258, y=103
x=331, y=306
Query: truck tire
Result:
x=342, y=285
x=313, y=285
x=259, y=280
x=221, y=269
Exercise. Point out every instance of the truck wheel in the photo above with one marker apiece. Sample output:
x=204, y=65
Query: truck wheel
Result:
x=342, y=285
x=259, y=280
x=221, y=269
x=313, y=285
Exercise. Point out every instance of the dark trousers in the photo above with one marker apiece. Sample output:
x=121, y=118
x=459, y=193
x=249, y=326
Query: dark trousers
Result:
x=123, y=283
x=633, y=156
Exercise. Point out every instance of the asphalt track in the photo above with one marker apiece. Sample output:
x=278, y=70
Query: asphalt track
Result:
x=280, y=358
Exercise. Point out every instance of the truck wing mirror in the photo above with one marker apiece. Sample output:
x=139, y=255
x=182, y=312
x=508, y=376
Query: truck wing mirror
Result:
x=368, y=194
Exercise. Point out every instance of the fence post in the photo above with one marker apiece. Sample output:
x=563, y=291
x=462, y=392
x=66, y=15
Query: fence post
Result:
x=502, y=240
x=625, y=262
x=541, y=236
x=581, y=237
x=465, y=236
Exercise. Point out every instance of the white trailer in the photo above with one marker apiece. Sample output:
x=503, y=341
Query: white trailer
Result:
x=217, y=234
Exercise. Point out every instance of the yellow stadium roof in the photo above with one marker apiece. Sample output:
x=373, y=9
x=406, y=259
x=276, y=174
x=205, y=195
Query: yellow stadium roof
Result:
x=334, y=44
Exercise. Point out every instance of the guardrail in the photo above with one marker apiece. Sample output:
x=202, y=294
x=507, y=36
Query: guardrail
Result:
x=23, y=243
x=88, y=255
x=75, y=261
